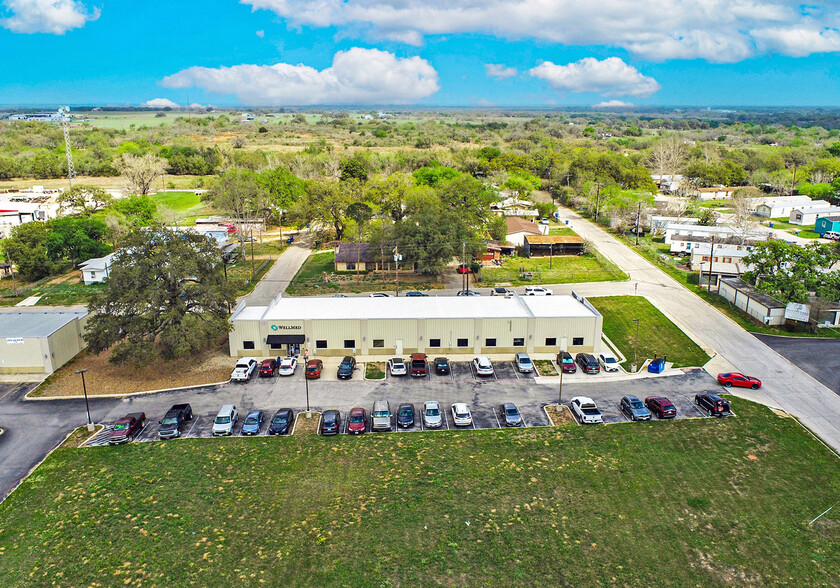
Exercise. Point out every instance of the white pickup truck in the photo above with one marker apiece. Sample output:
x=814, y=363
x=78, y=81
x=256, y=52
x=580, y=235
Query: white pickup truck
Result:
x=586, y=411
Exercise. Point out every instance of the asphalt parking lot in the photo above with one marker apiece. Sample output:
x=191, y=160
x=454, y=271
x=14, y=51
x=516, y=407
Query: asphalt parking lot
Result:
x=818, y=357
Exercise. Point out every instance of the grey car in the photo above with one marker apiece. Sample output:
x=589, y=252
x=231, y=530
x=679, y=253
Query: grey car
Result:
x=432, y=417
x=634, y=409
x=510, y=415
x=253, y=423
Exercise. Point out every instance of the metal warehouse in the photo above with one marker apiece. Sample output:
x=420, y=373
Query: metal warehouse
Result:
x=39, y=342
x=382, y=327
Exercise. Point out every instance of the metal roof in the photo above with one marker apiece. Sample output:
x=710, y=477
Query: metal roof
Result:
x=35, y=324
x=548, y=239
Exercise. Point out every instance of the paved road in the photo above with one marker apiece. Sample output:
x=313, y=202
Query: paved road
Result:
x=820, y=357
x=281, y=273
x=785, y=385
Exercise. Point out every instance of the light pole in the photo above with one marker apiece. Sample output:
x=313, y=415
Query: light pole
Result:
x=90, y=426
x=560, y=392
x=308, y=411
x=635, y=343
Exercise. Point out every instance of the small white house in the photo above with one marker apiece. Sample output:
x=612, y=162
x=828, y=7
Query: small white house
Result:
x=96, y=270
x=780, y=206
x=659, y=223
x=517, y=228
x=807, y=215
x=676, y=231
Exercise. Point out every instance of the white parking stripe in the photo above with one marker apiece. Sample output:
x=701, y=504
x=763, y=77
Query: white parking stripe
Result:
x=195, y=421
x=498, y=424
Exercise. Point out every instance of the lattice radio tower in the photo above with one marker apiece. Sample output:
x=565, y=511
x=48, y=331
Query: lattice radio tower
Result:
x=65, y=122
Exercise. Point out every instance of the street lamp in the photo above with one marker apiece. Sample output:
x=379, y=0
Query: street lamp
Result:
x=90, y=426
x=308, y=411
x=635, y=342
x=560, y=392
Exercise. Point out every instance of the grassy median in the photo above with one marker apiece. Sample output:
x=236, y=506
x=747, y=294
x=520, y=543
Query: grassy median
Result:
x=685, y=503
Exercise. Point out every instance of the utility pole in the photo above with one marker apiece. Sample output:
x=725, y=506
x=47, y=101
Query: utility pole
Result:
x=253, y=265
x=638, y=215
x=397, y=258
x=560, y=391
x=711, y=259
x=551, y=257
x=597, y=200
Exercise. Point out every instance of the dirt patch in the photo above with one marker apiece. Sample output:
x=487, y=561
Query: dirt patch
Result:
x=305, y=426
x=104, y=378
x=563, y=416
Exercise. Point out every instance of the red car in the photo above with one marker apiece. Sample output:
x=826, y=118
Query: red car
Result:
x=463, y=269
x=567, y=362
x=127, y=428
x=357, y=422
x=418, y=365
x=268, y=368
x=313, y=369
x=661, y=407
x=739, y=380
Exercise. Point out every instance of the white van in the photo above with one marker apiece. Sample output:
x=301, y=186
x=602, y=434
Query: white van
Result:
x=225, y=420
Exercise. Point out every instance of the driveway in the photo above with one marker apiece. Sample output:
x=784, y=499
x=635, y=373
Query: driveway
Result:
x=281, y=273
x=819, y=357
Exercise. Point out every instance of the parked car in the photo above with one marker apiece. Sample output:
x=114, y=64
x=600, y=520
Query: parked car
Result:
x=397, y=367
x=500, y=291
x=268, y=367
x=331, y=422
x=833, y=235
x=281, y=421
x=415, y=293
x=461, y=415
x=244, y=369
x=339, y=295
x=468, y=293
x=127, y=428
x=510, y=415
x=441, y=366
x=713, y=404
x=225, y=420
x=357, y=421
x=313, y=369
x=523, y=363
x=543, y=221
x=432, y=417
x=588, y=363
x=537, y=291
x=661, y=407
x=608, y=362
x=418, y=365
x=586, y=411
x=175, y=417
x=253, y=423
x=381, y=416
x=463, y=269
x=380, y=295
x=738, y=380
x=405, y=416
x=634, y=409
x=288, y=365
x=483, y=366
x=566, y=362
x=346, y=367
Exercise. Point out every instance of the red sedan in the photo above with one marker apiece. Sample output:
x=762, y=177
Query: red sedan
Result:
x=357, y=423
x=738, y=380
x=313, y=369
x=268, y=367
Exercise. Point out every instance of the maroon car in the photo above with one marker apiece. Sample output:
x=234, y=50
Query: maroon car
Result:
x=127, y=428
x=738, y=380
x=418, y=365
x=567, y=362
x=357, y=422
x=661, y=407
x=313, y=369
x=268, y=368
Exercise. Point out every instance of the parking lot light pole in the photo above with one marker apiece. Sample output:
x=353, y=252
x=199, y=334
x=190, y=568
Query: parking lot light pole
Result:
x=560, y=392
x=90, y=426
x=308, y=411
x=635, y=343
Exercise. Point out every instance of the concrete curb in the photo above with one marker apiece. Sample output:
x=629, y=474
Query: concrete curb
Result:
x=128, y=395
x=545, y=410
x=641, y=374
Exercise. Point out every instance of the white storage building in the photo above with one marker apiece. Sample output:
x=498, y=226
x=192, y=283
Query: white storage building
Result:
x=39, y=342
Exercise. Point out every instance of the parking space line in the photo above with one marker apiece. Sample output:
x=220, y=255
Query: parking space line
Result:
x=498, y=424
x=195, y=421
x=445, y=418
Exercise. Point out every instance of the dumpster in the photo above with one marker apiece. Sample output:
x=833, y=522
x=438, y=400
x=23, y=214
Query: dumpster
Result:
x=656, y=366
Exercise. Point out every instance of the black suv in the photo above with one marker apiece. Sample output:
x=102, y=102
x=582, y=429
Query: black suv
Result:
x=713, y=404
x=331, y=422
x=281, y=422
x=346, y=367
x=441, y=366
x=170, y=425
x=588, y=363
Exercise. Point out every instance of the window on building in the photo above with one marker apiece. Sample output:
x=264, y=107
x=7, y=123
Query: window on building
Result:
x=247, y=345
x=434, y=342
x=489, y=342
x=379, y=342
x=577, y=341
x=349, y=343
x=92, y=275
x=519, y=341
x=322, y=344
x=350, y=266
x=463, y=342
x=550, y=341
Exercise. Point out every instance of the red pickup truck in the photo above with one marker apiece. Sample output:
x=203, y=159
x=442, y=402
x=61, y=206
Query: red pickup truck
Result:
x=418, y=365
x=127, y=428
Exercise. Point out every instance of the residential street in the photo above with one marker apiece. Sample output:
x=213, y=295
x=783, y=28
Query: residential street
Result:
x=282, y=272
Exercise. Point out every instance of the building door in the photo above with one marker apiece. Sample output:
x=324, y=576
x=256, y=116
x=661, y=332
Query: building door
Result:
x=399, y=347
x=564, y=343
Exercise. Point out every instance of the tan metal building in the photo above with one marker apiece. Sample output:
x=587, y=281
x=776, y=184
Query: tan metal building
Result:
x=377, y=328
x=39, y=342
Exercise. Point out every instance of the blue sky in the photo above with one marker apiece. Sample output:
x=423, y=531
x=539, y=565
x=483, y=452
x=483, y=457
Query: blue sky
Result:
x=438, y=52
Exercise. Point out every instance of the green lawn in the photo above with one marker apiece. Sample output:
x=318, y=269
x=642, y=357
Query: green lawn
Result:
x=187, y=205
x=675, y=503
x=561, y=230
x=565, y=269
x=657, y=334
x=803, y=231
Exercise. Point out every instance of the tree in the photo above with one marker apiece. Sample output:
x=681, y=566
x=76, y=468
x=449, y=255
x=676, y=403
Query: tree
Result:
x=138, y=211
x=239, y=193
x=26, y=248
x=787, y=270
x=668, y=156
x=85, y=199
x=166, y=295
x=743, y=220
x=140, y=171
x=327, y=202
x=353, y=169
x=283, y=188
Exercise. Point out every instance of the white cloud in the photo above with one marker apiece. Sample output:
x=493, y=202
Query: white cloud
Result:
x=357, y=76
x=798, y=42
x=160, y=103
x=55, y=17
x=613, y=104
x=610, y=77
x=500, y=71
x=261, y=34
x=715, y=30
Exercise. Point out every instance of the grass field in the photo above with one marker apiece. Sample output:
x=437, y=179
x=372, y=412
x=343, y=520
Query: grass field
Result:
x=657, y=334
x=683, y=503
x=564, y=269
x=803, y=231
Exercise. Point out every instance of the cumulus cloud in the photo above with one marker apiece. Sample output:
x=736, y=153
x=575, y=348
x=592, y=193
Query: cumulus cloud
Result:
x=160, y=103
x=610, y=77
x=499, y=71
x=54, y=17
x=798, y=42
x=357, y=76
x=613, y=104
x=715, y=30
x=261, y=34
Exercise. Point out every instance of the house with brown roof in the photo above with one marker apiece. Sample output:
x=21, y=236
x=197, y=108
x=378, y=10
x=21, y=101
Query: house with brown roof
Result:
x=546, y=245
x=517, y=228
x=351, y=256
